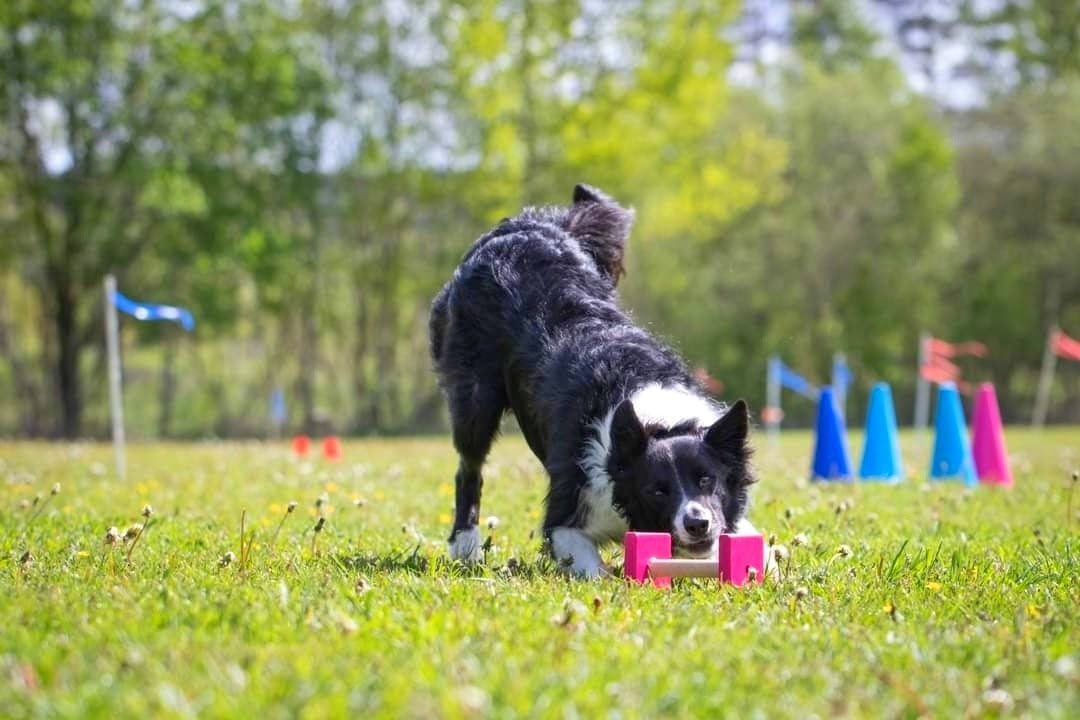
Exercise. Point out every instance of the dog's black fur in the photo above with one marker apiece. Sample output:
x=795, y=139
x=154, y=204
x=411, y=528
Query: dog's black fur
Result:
x=530, y=323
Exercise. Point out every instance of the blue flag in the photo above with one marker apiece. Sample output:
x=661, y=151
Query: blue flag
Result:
x=148, y=311
x=794, y=381
x=278, y=411
x=842, y=375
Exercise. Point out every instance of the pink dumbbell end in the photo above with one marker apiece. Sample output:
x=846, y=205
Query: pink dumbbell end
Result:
x=739, y=553
x=641, y=547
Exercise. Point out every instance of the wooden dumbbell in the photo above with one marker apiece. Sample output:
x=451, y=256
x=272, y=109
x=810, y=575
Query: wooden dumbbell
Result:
x=647, y=556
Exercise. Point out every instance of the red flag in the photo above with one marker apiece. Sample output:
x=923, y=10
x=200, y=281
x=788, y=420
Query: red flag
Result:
x=938, y=369
x=950, y=350
x=1065, y=346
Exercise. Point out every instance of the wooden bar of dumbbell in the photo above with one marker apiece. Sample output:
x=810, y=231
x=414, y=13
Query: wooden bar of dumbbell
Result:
x=647, y=556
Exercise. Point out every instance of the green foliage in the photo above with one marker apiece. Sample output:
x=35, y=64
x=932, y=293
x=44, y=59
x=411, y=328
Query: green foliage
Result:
x=944, y=602
x=304, y=176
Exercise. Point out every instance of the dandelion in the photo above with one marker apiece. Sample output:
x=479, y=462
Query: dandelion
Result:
x=997, y=698
x=780, y=553
x=112, y=536
x=227, y=559
x=571, y=616
x=844, y=551
x=359, y=502
x=37, y=503
x=136, y=531
x=751, y=574
x=492, y=522
x=321, y=502
x=362, y=586
x=799, y=540
x=26, y=558
x=801, y=592
x=289, y=509
x=318, y=529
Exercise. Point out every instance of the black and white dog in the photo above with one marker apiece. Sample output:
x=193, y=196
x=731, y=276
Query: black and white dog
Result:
x=530, y=323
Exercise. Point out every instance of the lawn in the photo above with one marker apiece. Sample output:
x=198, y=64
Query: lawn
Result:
x=914, y=600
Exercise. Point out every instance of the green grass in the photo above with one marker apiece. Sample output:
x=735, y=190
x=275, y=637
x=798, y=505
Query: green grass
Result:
x=953, y=602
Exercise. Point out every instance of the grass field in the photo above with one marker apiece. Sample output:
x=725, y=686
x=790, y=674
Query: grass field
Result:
x=915, y=600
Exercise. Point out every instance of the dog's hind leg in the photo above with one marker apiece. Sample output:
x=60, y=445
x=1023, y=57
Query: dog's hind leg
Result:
x=475, y=411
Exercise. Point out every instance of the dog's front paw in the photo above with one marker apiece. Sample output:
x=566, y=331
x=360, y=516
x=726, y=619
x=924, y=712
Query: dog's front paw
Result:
x=576, y=554
x=585, y=570
x=465, y=545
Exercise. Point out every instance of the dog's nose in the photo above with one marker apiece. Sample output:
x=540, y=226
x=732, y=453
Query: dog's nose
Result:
x=696, y=527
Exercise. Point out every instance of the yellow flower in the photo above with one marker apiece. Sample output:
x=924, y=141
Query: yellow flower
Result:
x=935, y=586
x=445, y=518
x=331, y=487
x=446, y=489
x=276, y=508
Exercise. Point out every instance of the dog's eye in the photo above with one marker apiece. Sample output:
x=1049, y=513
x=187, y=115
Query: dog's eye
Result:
x=659, y=491
x=706, y=481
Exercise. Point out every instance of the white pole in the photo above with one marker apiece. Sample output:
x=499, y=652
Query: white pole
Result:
x=772, y=399
x=1046, y=381
x=116, y=399
x=922, y=388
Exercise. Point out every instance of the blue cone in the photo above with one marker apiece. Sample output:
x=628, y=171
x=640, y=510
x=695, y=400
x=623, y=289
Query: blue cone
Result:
x=830, y=446
x=952, y=457
x=881, y=449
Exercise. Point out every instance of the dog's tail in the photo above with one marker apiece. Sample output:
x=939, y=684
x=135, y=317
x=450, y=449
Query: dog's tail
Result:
x=602, y=226
x=440, y=307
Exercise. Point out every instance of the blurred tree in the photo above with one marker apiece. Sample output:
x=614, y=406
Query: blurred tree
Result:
x=121, y=117
x=1020, y=220
x=1022, y=41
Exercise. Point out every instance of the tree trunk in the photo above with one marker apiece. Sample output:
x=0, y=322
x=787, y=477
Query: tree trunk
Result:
x=67, y=365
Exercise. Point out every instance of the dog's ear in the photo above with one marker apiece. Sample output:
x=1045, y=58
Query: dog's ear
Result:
x=628, y=439
x=587, y=193
x=602, y=226
x=728, y=434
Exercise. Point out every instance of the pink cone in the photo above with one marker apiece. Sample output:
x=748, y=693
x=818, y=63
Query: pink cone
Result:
x=988, y=440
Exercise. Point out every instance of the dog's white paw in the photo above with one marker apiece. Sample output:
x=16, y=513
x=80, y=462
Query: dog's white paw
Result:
x=465, y=545
x=576, y=553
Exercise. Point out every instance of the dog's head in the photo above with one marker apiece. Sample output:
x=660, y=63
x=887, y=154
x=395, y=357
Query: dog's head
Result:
x=688, y=482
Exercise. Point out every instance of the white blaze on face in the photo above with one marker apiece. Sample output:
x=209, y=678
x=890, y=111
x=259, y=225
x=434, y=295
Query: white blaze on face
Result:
x=694, y=510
